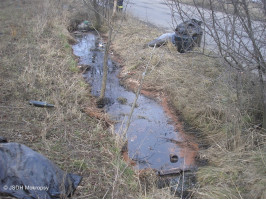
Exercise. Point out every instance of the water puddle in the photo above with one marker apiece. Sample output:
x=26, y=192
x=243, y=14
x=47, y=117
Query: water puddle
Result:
x=153, y=141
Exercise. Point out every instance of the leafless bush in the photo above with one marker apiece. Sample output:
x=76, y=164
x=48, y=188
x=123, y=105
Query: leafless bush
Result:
x=237, y=39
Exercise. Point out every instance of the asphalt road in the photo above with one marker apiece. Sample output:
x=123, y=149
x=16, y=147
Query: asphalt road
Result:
x=158, y=13
x=152, y=11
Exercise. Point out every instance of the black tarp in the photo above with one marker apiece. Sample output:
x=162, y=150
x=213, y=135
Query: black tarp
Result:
x=187, y=35
x=24, y=173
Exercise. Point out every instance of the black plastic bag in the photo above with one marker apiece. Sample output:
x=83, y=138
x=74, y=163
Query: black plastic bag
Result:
x=25, y=173
x=188, y=35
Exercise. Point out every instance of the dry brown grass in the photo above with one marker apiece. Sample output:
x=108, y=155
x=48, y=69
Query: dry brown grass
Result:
x=203, y=90
x=37, y=64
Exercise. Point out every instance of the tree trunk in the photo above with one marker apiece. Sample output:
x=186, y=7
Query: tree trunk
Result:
x=97, y=14
x=106, y=51
x=114, y=8
x=105, y=64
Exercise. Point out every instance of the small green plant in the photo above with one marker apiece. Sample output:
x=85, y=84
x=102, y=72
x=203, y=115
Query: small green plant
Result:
x=81, y=165
x=122, y=100
x=83, y=84
x=73, y=66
